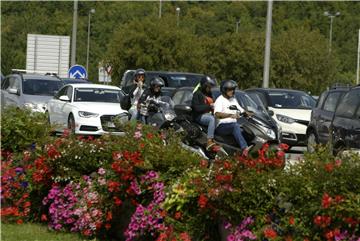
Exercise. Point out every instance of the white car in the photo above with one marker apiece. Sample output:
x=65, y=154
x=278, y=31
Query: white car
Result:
x=87, y=109
x=291, y=109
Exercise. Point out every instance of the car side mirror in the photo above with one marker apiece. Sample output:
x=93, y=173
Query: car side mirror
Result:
x=182, y=108
x=271, y=112
x=14, y=91
x=64, y=98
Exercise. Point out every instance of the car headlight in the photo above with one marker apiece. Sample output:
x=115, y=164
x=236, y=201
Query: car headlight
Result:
x=87, y=114
x=285, y=119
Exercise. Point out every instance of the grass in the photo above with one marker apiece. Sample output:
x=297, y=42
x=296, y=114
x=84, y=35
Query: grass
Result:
x=34, y=232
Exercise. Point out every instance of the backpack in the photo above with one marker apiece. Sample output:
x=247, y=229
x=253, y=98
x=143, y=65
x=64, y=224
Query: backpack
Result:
x=125, y=102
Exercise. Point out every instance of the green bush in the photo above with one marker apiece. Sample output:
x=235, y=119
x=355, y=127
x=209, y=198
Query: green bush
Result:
x=22, y=129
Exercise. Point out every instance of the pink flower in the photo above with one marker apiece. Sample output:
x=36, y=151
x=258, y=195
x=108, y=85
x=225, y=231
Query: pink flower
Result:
x=102, y=181
x=101, y=171
x=137, y=135
x=231, y=237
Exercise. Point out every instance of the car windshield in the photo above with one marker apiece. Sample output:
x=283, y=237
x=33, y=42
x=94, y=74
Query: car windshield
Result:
x=291, y=100
x=41, y=87
x=97, y=95
x=175, y=80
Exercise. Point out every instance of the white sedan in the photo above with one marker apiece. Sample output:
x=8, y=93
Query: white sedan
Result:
x=87, y=109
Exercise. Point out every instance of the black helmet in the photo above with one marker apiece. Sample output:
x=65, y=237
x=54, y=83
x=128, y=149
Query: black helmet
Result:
x=139, y=72
x=228, y=85
x=207, y=81
x=157, y=81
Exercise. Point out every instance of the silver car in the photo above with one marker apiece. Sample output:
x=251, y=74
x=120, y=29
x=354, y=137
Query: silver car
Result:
x=29, y=90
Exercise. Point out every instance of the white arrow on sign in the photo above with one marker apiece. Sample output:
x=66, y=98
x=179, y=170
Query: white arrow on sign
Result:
x=77, y=73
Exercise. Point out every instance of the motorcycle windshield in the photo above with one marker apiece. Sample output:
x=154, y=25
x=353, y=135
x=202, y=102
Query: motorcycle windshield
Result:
x=166, y=104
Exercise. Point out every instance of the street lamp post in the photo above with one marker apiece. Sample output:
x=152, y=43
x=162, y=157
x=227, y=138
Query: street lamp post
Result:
x=73, y=36
x=92, y=11
x=358, y=62
x=266, y=73
x=237, y=25
x=331, y=16
x=178, y=16
x=160, y=9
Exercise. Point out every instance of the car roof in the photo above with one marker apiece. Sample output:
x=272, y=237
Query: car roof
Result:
x=215, y=88
x=93, y=86
x=166, y=72
x=275, y=89
x=39, y=76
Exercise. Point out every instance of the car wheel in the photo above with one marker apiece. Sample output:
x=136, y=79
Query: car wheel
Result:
x=311, y=142
x=71, y=124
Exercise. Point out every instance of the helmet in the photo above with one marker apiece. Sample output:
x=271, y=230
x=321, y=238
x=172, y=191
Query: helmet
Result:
x=139, y=72
x=157, y=81
x=207, y=81
x=228, y=85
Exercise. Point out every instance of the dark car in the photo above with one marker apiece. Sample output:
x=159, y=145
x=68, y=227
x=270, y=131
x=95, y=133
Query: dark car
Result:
x=345, y=126
x=291, y=109
x=318, y=131
x=172, y=80
x=75, y=81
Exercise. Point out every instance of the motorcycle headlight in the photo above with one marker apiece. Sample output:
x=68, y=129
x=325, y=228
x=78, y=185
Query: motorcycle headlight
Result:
x=87, y=114
x=169, y=116
x=285, y=119
x=269, y=132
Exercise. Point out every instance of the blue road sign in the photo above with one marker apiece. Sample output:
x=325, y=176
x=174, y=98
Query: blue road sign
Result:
x=77, y=72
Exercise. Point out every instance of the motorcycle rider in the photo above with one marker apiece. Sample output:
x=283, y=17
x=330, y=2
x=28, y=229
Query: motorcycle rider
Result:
x=153, y=93
x=227, y=119
x=203, y=106
x=136, y=90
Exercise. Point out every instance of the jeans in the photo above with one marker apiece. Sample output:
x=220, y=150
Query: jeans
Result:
x=134, y=114
x=209, y=121
x=235, y=130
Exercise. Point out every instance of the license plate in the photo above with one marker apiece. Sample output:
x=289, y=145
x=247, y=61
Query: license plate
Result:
x=110, y=124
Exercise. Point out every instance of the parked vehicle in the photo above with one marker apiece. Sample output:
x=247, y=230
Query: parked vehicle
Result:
x=258, y=129
x=318, y=131
x=87, y=109
x=75, y=81
x=172, y=80
x=29, y=90
x=345, y=126
x=291, y=109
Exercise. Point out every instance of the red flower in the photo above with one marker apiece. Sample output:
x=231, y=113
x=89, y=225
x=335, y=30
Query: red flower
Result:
x=227, y=165
x=329, y=167
x=185, y=237
x=113, y=186
x=270, y=233
x=339, y=198
x=87, y=232
x=27, y=204
x=338, y=163
x=202, y=201
x=203, y=163
x=280, y=154
x=292, y=220
x=329, y=235
x=318, y=220
x=44, y=218
x=288, y=238
x=107, y=226
x=149, y=135
x=284, y=146
x=117, y=201
x=326, y=201
x=20, y=221
x=326, y=221
x=108, y=216
x=116, y=155
x=178, y=215
x=141, y=145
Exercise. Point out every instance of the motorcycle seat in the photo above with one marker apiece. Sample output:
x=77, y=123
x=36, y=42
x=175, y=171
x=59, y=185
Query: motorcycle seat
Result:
x=227, y=139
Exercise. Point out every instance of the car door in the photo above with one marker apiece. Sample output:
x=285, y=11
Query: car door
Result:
x=55, y=106
x=12, y=97
x=66, y=106
x=325, y=116
x=4, y=94
x=356, y=129
x=345, y=124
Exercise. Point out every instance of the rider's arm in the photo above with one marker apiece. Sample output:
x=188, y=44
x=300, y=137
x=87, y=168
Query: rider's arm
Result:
x=198, y=104
x=219, y=110
x=221, y=115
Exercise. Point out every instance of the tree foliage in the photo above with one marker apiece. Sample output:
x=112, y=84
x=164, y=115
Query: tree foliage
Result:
x=130, y=35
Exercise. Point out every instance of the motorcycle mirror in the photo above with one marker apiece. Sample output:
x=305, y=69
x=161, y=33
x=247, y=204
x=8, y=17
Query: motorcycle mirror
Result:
x=233, y=107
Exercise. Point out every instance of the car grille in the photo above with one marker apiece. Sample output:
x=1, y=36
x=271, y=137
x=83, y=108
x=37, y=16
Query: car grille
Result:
x=88, y=128
x=107, y=122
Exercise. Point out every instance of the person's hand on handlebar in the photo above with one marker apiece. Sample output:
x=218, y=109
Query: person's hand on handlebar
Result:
x=249, y=113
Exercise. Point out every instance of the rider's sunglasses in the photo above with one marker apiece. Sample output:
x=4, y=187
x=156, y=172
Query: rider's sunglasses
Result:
x=140, y=76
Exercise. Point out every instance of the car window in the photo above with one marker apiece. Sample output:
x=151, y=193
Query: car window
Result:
x=98, y=95
x=6, y=83
x=348, y=104
x=61, y=92
x=44, y=87
x=178, y=97
x=69, y=92
x=175, y=80
x=321, y=100
x=331, y=101
x=292, y=100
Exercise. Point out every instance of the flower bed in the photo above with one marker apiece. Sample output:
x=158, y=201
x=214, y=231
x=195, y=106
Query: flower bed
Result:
x=137, y=188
